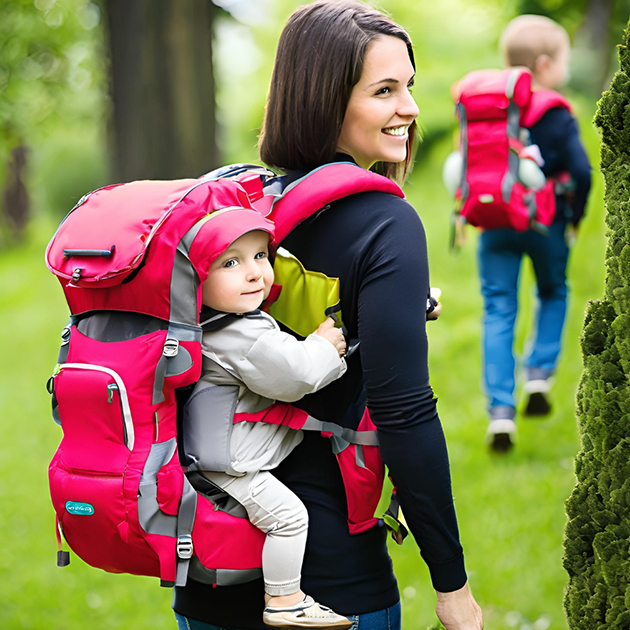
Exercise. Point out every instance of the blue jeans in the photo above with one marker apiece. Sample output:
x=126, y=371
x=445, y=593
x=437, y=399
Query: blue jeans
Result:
x=500, y=253
x=386, y=619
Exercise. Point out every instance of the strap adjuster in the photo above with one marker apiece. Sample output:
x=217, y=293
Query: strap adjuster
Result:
x=185, y=547
x=171, y=347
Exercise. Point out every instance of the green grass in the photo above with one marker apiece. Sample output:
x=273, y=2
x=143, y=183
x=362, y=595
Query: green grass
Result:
x=510, y=508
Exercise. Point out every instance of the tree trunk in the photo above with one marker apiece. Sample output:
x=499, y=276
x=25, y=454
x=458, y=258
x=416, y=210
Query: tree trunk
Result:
x=597, y=540
x=15, y=197
x=162, y=85
x=594, y=37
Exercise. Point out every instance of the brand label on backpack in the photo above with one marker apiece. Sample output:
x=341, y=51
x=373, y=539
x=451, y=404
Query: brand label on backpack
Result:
x=80, y=509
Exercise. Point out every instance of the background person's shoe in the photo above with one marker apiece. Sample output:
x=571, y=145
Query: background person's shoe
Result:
x=537, y=393
x=501, y=435
x=307, y=614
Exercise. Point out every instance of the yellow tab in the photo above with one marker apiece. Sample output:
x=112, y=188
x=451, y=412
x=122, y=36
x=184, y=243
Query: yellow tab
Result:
x=305, y=295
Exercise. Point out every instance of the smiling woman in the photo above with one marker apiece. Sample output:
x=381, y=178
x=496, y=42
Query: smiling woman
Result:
x=340, y=92
x=381, y=109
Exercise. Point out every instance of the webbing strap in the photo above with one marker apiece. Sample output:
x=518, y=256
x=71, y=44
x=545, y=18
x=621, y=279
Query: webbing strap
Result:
x=365, y=438
x=63, y=557
x=185, y=522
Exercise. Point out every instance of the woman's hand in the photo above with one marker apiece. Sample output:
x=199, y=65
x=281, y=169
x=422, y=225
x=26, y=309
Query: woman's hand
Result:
x=328, y=331
x=435, y=313
x=459, y=610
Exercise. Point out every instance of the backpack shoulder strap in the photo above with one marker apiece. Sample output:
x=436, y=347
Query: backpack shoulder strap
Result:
x=541, y=102
x=320, y=187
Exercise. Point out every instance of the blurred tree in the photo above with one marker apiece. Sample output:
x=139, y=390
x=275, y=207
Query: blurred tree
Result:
x=597, y=538
x=594, y=24
x=47, y=76
x=162, y=86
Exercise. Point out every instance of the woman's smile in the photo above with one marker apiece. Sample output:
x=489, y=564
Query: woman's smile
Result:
x=400, y=132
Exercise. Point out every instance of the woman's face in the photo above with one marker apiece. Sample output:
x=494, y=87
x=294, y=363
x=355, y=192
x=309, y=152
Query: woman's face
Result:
x=381, y=108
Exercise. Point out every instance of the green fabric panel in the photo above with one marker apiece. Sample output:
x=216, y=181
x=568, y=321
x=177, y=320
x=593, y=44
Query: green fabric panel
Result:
x=304, y=297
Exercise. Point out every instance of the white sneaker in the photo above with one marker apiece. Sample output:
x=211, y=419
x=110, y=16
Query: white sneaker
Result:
x=537, y=392
x=501, y=435
x=307, y=614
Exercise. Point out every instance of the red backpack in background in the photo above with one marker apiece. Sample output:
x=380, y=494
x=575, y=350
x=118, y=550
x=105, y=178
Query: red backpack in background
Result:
x=496, y=177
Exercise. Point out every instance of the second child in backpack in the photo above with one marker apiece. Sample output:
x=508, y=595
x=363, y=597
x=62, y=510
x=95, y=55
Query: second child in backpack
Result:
x=244, y=346
x=542, y=46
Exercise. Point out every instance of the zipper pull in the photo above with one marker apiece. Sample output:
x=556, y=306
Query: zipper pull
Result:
x=111, y=388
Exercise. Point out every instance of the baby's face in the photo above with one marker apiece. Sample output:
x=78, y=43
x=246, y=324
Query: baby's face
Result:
x=241, y=278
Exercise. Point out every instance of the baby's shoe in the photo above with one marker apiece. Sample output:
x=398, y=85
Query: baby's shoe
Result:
x=306, y=614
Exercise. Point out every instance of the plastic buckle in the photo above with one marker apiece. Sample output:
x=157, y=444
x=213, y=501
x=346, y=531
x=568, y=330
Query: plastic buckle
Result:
x=171, y=347
x=184, y=547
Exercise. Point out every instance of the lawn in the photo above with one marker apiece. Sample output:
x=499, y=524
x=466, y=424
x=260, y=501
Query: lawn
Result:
x=510, y=507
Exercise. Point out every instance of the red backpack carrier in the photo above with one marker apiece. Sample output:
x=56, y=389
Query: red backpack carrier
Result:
x=496, y=190
x=131, y=261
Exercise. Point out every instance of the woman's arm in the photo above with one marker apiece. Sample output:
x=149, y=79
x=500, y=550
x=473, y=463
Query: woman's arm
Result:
x=391, y=320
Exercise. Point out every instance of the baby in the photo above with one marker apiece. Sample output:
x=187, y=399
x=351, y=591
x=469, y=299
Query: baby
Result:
x=244, y=346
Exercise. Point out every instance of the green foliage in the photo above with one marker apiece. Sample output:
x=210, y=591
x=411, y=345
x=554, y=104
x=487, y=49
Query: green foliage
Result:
x=597, y=537
x=52, y=95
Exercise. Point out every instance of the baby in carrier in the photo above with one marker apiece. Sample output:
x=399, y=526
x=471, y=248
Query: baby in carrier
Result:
x=244, y=346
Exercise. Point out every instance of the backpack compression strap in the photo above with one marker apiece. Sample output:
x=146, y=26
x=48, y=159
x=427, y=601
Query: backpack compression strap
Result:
x=541, y=102
x=328, y=183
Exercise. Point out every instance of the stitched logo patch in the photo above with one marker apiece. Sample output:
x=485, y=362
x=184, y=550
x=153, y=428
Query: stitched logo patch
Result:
x=80, y=509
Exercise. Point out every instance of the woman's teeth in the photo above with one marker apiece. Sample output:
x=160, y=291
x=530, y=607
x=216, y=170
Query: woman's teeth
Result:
x=396, y=131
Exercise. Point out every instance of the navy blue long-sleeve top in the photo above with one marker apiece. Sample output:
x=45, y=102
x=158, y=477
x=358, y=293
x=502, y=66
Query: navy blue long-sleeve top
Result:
x=375, y=243
x=558, y=137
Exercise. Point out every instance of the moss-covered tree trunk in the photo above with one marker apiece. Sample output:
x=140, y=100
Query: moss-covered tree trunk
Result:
x=597, y=541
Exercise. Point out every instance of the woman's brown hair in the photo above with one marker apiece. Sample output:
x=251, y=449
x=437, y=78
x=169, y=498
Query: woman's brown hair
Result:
x=319, y=60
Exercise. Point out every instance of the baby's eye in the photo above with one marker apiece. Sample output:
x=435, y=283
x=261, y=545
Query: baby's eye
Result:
x=260, y=255
x=230, y=263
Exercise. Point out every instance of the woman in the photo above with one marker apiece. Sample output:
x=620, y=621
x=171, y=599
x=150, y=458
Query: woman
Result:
x=341, y=92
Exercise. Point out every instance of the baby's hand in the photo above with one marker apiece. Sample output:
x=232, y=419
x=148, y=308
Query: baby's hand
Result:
x=328, y=331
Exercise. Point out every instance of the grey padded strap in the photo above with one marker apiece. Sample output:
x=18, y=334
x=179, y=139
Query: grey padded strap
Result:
x=365, y=438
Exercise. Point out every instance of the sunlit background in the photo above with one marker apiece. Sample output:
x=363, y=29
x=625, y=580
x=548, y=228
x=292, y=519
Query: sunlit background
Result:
x=97, y=92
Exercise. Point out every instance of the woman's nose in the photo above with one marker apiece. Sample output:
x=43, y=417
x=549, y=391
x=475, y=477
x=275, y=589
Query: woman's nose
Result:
x=408, y=107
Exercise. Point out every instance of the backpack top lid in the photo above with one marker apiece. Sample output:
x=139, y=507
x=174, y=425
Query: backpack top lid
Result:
x=117, y=249
x=487, y=93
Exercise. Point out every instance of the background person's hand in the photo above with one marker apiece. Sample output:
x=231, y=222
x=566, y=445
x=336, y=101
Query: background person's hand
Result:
x=459, y=610
x=328, y=331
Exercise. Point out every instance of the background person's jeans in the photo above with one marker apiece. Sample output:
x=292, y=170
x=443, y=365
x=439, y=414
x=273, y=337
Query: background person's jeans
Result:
x=386, y=619
x=500, y=253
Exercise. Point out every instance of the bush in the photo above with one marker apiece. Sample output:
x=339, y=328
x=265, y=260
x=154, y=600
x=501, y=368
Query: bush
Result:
x=597, y=537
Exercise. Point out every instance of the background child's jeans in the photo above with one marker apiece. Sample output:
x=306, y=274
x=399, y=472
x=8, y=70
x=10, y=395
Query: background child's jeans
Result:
x=500, y=253
x=386, y=619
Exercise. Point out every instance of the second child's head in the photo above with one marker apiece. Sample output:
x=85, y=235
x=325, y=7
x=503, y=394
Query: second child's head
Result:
x=240, y=275
x=540, y=44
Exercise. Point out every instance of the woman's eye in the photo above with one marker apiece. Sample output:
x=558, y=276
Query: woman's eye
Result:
x=384, y=90
x=230, y=263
